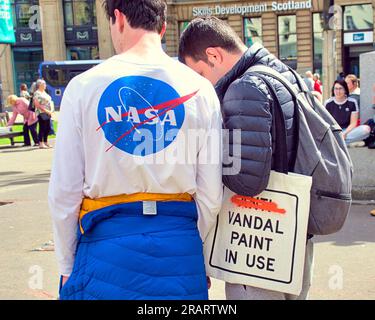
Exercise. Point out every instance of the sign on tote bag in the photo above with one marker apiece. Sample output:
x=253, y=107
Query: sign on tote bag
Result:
x=261, y=241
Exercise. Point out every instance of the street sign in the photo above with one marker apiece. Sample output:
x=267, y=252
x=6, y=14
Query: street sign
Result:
x=6, y=22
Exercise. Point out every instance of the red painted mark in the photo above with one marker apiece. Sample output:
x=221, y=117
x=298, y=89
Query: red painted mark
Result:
x=252, y=203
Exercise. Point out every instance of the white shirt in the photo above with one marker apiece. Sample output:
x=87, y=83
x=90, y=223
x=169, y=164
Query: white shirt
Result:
x=110, y=142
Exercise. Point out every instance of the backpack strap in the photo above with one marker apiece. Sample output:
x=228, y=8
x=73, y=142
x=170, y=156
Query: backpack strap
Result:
x=303, y=87
x=301, y=84
x=267, y=71
x=262, y=69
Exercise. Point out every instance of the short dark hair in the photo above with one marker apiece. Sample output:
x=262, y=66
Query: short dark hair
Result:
x=204, y=32
x=23, y=87
x=145, y=14
x=343, y=84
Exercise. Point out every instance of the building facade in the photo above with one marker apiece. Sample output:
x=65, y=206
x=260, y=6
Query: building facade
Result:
x=50, y=30
x=291, y=30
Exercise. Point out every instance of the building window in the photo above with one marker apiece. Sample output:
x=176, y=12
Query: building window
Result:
x=83, y=52
x=24, y=11
x=287, y=27
x=318, y=23
x=252, y=31
x=182, y=25
x=26, y=62
x=79, y=13
x=358, y=17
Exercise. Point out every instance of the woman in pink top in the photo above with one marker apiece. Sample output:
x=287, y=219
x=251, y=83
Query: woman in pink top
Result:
x=21, y=106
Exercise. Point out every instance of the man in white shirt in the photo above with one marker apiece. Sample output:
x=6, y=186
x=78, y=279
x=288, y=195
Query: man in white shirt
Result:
x=136, y=180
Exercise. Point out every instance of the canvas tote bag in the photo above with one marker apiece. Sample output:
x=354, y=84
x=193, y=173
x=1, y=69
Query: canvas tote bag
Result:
x=260, y=241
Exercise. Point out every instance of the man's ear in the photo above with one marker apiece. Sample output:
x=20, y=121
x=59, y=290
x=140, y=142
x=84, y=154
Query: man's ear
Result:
x=214, y=55
x=120, y=20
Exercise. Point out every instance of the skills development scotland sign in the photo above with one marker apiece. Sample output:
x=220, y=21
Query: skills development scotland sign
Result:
x=6, y=22
x=252, y=8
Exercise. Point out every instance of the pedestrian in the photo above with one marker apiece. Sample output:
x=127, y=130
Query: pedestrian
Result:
x=211, y=48
x=345, y=111
x=353, y=86
x=24, y=93
x=20, y=106
x=42, y=103
x=51, y=124
x=33, y=88
x=341, y=76
x=141, y=222
x=309, y=80
x=317, y=83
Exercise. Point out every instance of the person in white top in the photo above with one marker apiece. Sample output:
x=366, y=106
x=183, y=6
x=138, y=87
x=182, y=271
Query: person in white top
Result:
x=140, y=133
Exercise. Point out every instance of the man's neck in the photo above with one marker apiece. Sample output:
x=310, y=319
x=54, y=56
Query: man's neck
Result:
x=142, y=46
x=233, y=58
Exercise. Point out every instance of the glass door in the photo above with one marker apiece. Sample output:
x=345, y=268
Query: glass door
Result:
x=26, y=63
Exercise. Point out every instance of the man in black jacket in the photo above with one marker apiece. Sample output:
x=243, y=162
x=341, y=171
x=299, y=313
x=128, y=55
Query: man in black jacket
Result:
x=211, y=48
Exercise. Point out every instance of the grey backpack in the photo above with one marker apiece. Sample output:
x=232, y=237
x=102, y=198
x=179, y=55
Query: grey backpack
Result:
x=321, y=153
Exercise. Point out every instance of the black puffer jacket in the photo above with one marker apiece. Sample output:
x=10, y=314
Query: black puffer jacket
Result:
x=245, y=105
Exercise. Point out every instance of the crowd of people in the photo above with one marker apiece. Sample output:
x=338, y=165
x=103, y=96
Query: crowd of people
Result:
x=343, y=105
x=36, y=107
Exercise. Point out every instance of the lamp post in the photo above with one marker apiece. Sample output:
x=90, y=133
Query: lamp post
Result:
x=329, y=48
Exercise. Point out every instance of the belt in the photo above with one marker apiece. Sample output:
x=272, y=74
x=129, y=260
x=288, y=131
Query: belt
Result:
x=88, y=205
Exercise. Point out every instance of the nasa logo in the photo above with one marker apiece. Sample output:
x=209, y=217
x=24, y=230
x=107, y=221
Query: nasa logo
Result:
x=133, y=104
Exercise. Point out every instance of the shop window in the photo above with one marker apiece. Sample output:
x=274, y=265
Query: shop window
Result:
x=358, y=17
x=318, y=23
x=26, y=62
x=80, y=13
x=23, y=12
x=56, y=77
x=252, y=31
x=287, y=27
x=83, y=53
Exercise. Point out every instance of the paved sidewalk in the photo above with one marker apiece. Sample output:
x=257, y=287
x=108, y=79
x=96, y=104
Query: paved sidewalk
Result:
x=344, y=262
